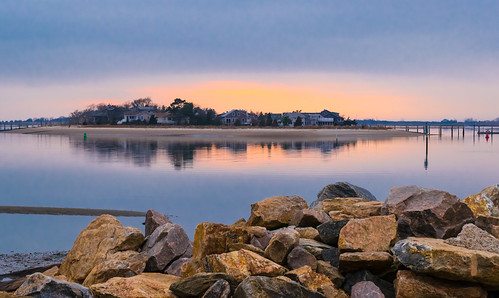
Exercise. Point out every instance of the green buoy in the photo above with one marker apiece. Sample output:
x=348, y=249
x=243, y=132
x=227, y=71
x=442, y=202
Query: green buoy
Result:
x=85, y=136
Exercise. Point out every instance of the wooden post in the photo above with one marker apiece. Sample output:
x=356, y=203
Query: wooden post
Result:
x=463, y=130
x=452, y=131
x=440, y=130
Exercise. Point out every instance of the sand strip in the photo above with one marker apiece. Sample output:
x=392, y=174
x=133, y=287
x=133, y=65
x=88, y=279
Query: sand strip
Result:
x=68, y=211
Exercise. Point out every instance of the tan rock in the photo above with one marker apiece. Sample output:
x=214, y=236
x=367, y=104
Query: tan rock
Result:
x=337, y=204
x=314, y=281
x=473, y=237
x=308, y=233
x=121, y=264
x=281, y=244
x=240, y=223
x=105, y=235
x=377, y=233
x=239, y=246
x=309, y=218
x=484, y=203
x=276, y=212
x=143, y=285
x=215, y=238
x=331, y=272
x=435, y=257
x=52, y=272
x=357, y=210
x=377, y=262
x=410, y=284
x=241, y=264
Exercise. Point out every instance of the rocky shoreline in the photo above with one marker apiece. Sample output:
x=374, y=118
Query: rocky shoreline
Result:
x=418, y=243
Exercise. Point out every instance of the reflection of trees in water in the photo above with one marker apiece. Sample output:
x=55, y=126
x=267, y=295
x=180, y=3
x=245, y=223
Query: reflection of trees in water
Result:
x=182, y=154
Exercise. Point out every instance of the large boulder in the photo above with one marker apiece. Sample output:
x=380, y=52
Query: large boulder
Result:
x=314, y=281
x=215, y=238
x=329, y=232
x=484, y=203
x=299, y=257
x=472, y=237
x=281, y=244
x=366, y=289
x=262, y=286
x=39, y=285
x=378, y=262
x=276, y=212
x=143, y=285
x=489, y=224
x=154, y=219
x=166, y=244
x=336, y=204
x=377, y=233
x=411, y=284
x=103, y=237
x=423, y=212
x=197, y=285
x=344, y=190
x=309, y=218
x=437, y=258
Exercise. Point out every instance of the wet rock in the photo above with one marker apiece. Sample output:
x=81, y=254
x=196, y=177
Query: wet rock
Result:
x=143, y=285
x=330, y=231
x=410, y=284
x=309, y=218
x=336, y=204
x=484, y=203
x=366, y=289
x=220, y=289
x=425, y=212
x=276, y=212
x=376, y=262
x=377, y=233
x=308, y=233
x=313, y=281
x=357, y=210
x=472, y=237
x=314, y=247
x=331, y=255
x=121, y=264
x=167, y=243
x=262, y=286
x=489, y=224
x=214, y=238
x=176, y=266
x=299, y=257
x=435, y=257
x=364, y=275
x=104, y=236
x=281, y=244
x=40, y=285
x=197, y=285
x=344, y=190
x=154, y=219
x=331, y=272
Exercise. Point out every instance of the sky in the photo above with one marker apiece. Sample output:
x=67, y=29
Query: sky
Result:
x=394, y=60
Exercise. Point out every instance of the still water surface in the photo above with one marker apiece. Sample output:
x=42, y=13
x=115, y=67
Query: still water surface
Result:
x=215, y=180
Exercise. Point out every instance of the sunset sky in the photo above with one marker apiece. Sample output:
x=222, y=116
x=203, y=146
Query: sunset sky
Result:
x=395, y=60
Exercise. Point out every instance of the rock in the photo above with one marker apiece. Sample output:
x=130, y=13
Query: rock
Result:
x=472, y=237
x=220, y=289
x=143, y=285
x=330, y=231
x=175, y=267
x=435, y=257
x=276, y=212
x=331, y=272
x=425, y=212
x=104, y=236
x=313, y=281
x=121, y=264
x=52, y=272
x=367, y=289
x=240, y=223
x=364, y=275
x=263, y=241
x=331, y=255
x=214, y=238
x=40, y=285
x=489, y=224
x=314, y=247
x=241, y=264
x=166, y=244
x=377, y=233
x=281, y=244
x=357, y=210
x=378, y=262
x=308, y=233
x=410, y=284
x=239, y=246
x=262, y=286
x=336, y=204
x=154, y=219
x=197, y=285
x=299, y=257
x=484, y=203
x=309, y=218
x=344, y=190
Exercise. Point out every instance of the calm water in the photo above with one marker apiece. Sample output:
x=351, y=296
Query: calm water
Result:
x=214, y=181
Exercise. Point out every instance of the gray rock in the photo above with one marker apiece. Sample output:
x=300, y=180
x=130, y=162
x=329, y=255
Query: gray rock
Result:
x=314, y=247
x=262, y=286
x=331, y=272
x=198, y=284
x=472, y=237
x=281, y=244
x=220, y=289
x=309, y=218
x=39, y=285
x=425, y=212
x=364, y=275
x=366, y=289
x=176, y=266
x=330, y=231
x=299, y=257
x=167, y=243
x=332, y=256
x=261, y=242
x=154, y=219
x=344, y=190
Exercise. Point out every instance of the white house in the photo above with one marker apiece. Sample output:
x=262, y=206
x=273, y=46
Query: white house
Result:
x=231, y=117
